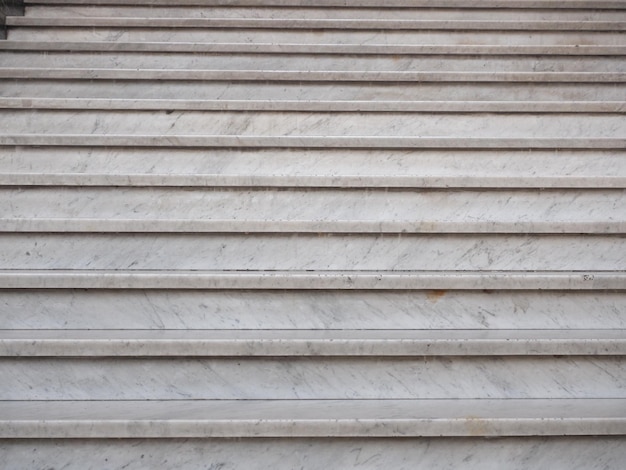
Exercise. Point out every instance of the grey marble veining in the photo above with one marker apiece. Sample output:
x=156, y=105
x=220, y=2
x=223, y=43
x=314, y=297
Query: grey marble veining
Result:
x=353, y=418
x=185, y=210
x=312, y=378
x=310, y=62
x=312, y=168
x=324, y=125
x=312, y=252
x=310, y=343
x=335, y=310
x=215, y=11
x=542, y=38
x=562, y=453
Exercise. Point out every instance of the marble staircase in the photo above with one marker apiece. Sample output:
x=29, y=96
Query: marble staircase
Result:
x=313, y=234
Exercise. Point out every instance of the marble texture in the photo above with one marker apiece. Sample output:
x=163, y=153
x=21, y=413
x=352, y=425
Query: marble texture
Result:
x=310, y=309
x=312, y=252
x=352, y=418
x=322, y=125
x=348, y=24
x=299, y=280
x=311, y=62
x=121, y=34
x=305, y=378
x=314, y=48
x=335, y=168
x=559, y=453
x=245, y=343
x=311, y=211
x=39, y=10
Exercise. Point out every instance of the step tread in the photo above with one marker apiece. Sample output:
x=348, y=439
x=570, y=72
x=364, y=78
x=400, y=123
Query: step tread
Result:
x=311, y=48
x=345, y=24
x=562, y=106
x=377, y=343
x=292, y=418
x=316, y=211
x=343, y=280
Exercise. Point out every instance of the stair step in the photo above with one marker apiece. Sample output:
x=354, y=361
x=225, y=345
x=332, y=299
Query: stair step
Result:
x=283, y=418
x=276, y=168
x=59, y=278
x=306, y=36
x=313, y=252
x=430, y=12
x=246, y=343
x=313, y=48
x=171, y=309
x=312, y=378
x=162, y=93
x=310, y=63
x=311, y=211
x=283, y=24
x=507, y=4
x=316, y=106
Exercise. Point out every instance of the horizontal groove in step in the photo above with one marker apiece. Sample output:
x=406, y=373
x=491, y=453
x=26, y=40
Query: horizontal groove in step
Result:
x=347, y=280
x=298, y=211
x=310, y=24
x=329, y=36
x=312, y=418
x=519, y=4
x=318, y=105
x=312, y=48
x=242, y=343
x=309, y=76
x=94, y=309
x=128, y=167
x=311, y=142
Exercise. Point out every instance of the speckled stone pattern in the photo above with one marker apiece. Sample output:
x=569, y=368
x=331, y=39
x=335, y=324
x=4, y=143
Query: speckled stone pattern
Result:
x=313, y=234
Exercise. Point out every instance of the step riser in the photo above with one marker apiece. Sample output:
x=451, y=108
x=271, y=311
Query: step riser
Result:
x=312, y=252
x=309, y=168
x=322, y=125
x=551, y=93
x=312, y=378
x=432, y=453
x=536, y=38
x=344, y=211
x=431, y=13
x=249, y=310
x=311, y=62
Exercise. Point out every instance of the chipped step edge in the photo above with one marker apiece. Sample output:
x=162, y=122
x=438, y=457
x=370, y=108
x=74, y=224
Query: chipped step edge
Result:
x=308, y=48
x=346, y=280
x=99, y=225
x=317, y=105
x=314, y=142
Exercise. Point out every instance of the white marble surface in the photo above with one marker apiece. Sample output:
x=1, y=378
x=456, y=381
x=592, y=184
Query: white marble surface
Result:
x=322, y=125
x=194, y=61
x=352, y=418
x=312, y=168
x=560, y=453
x=312, y=252
x=121, y=34
x=307, y=378
x=299, y=280
x=340, y=211
x=246, y=343
x=348, y=12
x=310, y=309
